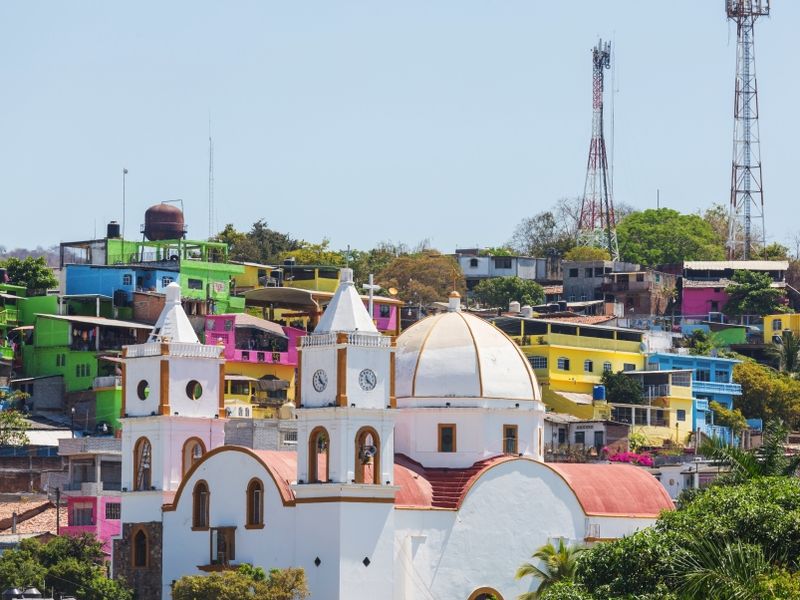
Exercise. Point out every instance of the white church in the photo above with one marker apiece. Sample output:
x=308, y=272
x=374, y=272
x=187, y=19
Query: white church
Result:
x=419, y=469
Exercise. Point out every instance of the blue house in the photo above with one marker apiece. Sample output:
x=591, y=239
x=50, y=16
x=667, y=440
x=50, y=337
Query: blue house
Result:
x=114, y=280
x=712, y=381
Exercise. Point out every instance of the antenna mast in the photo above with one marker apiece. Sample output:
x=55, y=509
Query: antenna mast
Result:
x=597, y=224
x=747, y=193
x=210, y=185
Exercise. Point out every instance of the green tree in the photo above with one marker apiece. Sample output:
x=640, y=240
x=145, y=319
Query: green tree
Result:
x=314, y=254
x=542, y=235
x=68, y=565
x=622, y=388
x=33, y=273
x=370, y=261
x=664, y=236
x=768, y=460
x=499, y=291
x=727, y=417
x=579, y=253
x=789, y=352
x=261, y=244
x=423, y=277
x=751, y=293
x=246, y=582
x=12, y=428
x=774, y=251
x=559, y=564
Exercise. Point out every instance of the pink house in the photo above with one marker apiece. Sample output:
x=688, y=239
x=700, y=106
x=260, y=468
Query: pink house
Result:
x=93, y=489
x=704, y=282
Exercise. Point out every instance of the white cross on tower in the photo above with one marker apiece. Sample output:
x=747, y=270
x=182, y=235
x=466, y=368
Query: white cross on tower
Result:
x=371, y=288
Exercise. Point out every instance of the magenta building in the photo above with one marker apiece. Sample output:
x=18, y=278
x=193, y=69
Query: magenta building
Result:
x=92, y=491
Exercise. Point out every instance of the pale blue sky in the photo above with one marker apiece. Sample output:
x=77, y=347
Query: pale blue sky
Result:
x=368, y=121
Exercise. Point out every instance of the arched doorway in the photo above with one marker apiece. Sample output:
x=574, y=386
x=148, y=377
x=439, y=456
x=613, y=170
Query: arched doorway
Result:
x=368, y=456
x=318, y=449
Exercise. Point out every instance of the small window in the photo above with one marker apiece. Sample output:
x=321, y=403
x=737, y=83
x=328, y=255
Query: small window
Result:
x=165, y=281
x=143, y=390
x=200, y=505
x=588, y=366
x=194, y=390
x=502, y=262
x=113, y=511
x=587, y=272
x=606, y=367
x=681, y=414
x=127, y=279
x=573, y=272
x=140, y=549
x=385, y=311
x=598, y=271
x=473, y=262
x=223, y=545
x=702, y=375
x=255, y=504
x=447, y=437
x=777, y=325
x=563, y=364
x=714, y=306
x=628, y=367
x=510, y=439
x=580, y=437
x=142, y=464
x=538, y=362
x=721, y=377
x=640, y=277
x=82, y=514
x=193, y=450
x=195, y=284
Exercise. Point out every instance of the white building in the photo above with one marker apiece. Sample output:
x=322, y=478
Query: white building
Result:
x=418, y=474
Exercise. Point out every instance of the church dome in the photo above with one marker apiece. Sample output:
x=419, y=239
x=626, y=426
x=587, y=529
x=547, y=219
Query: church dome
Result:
x=458, y=355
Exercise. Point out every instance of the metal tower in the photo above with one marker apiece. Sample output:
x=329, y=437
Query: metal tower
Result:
x=597, y=225
x=747, y=192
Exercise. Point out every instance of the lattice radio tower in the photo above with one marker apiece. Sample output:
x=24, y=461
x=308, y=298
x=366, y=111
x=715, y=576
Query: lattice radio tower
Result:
x=747, y=192
x=596, y=225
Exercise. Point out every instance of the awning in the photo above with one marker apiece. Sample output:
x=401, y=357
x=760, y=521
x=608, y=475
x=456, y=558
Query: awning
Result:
x=98, y=321
x=282, y=296
x=243, y=320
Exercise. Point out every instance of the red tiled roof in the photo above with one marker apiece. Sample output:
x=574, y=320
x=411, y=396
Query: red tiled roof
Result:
x=614, y=490
x=283, y=468
x=554, y=289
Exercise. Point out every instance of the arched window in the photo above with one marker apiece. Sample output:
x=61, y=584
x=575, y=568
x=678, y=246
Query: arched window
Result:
x=200, y=505
x=368, y=456
x=193, y=450
x=485, y=593
x=318, y=446
x=142, y=464
x=255, y=504
x=140, y=549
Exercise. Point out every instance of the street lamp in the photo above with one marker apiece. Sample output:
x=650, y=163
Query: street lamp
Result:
x=72, y=421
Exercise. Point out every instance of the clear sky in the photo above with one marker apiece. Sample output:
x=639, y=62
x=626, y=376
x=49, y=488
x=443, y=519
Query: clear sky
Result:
x=369, y=121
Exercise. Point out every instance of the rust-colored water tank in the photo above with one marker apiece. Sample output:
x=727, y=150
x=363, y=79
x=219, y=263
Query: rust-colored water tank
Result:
x=164, y=222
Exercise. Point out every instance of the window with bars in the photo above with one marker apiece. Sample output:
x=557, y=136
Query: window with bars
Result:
x=538, y=362
x=563, y=364
x=113, y=510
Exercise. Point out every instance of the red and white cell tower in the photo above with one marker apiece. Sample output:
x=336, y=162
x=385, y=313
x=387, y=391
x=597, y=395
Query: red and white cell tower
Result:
x=747, y=192
x=596, y=225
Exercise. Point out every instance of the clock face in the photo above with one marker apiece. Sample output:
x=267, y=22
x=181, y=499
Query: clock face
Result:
x=367, y=379
x=320, y=380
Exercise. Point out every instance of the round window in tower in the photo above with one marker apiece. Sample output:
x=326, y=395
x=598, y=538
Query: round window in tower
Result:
x=194, y=390
x=143, y=390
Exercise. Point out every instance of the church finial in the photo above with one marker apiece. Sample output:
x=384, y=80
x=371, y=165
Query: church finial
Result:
x=454, y=303
x=346, y=275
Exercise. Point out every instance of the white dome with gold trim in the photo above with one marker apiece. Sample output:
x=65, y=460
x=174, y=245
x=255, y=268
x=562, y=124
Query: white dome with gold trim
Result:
x=458, y=355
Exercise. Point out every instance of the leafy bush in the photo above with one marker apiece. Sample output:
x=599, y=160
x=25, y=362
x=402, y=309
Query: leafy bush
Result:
x=643, y=459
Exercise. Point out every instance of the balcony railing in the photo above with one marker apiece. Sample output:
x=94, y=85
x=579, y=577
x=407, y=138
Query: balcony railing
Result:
x=315, y=341
x=712, y=387
x=109, y=381
x=261, y=356
x=662, y=390
x=9, y=316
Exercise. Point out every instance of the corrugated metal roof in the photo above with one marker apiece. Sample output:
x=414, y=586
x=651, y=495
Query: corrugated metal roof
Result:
x=745, y=265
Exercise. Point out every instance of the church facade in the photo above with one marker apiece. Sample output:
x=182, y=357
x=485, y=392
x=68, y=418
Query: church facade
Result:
x=418, y=474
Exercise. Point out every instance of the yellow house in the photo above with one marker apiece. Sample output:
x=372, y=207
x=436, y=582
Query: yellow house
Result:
x=256, y=276
x=665, y=413
x=775, y=325
x=319, y=278
x=569, y=359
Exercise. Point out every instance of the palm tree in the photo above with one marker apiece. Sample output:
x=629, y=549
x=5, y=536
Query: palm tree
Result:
x=560, y=563
x=768, y=460
x=720, y=570
x=790, y=352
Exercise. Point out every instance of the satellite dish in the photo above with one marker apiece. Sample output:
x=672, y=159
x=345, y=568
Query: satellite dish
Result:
x=392, y=291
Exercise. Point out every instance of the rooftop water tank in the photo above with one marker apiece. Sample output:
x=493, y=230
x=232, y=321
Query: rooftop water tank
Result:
x=513, y=306
x=113, y=230
x=599, y=393
x=164, y=222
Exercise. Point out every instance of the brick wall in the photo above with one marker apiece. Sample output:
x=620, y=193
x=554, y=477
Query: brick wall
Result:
x=27, y=473
x=145, y=581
